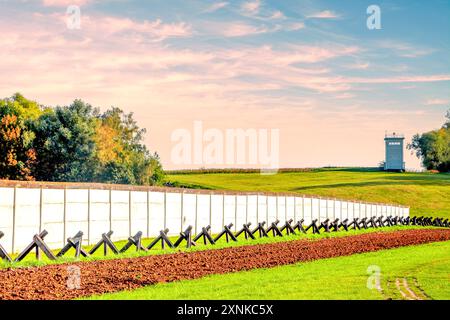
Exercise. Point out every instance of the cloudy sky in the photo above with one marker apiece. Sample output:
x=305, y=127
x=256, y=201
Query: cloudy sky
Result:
x=309, y=68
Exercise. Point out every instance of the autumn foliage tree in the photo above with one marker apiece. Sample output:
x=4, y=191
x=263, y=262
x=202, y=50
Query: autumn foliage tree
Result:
x=122, y=154
x=17, y=156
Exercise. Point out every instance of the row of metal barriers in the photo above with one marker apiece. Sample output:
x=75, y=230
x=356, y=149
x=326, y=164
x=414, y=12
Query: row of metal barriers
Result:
x=261, y=230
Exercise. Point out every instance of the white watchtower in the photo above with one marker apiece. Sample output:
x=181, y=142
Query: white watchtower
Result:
x=394, y=152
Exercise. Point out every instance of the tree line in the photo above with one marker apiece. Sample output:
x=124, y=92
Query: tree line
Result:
x=433, y=147
x=74, y=143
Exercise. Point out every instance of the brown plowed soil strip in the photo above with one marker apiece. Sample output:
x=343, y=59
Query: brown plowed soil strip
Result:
x=50, y=282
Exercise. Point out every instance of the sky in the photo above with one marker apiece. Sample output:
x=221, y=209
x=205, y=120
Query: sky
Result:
x=311, y=69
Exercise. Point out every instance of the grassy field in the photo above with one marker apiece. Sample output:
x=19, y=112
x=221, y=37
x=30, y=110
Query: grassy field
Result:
x=31, y=261
x=424, y=193
x=426, y=269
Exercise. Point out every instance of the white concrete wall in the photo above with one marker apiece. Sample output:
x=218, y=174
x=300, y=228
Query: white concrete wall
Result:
x=99, y=214
x=65, y=211
x=6, y=217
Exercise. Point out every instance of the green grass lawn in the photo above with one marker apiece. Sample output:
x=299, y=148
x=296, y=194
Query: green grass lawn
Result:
x=31, y=261
x=424, y=193
x=426, y=269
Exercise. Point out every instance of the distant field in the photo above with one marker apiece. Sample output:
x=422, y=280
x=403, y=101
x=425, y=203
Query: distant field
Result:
x=425, y=193
x=423, y=268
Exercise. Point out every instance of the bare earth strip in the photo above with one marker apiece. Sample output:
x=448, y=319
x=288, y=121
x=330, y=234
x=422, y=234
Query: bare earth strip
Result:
x=411, y=293
x=97, y=277
x=398, y=286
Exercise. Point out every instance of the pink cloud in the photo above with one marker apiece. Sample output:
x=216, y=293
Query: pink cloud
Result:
x=64, y=3
x=402, y=79
x=296, y=26
x=216, y=6
x=100, y=25
x=251, y=7
x=326, y=14
x=437, y=102
x=359, y=66
x=240, y=29
x=407, y=87
x=344, y=95
x=312, y=54
x=277, y=15
x=405, y=50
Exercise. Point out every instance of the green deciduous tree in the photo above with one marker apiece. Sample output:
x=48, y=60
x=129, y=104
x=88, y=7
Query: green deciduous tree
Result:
x=433, y=147
x=65, y=143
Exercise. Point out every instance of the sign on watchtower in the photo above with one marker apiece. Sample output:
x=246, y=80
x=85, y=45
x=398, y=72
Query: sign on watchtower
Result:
x=394, y=152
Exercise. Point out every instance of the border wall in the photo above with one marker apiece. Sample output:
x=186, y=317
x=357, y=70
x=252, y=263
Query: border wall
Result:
x=63, y=209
